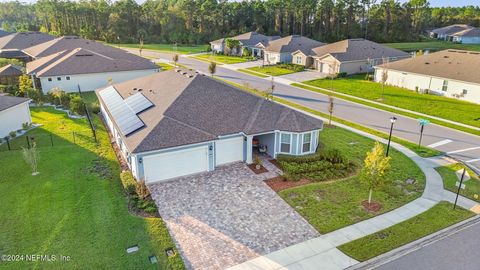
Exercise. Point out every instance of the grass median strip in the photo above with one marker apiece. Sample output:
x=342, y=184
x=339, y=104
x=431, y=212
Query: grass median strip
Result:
x=450, y=178
x=420, y=150
x=436, y=218
x=442, y=107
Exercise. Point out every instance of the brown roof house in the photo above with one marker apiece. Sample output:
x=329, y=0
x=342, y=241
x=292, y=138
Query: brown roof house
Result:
x=348, y=56
x=280, y=50
x=87, y=69
x=176, y=123
x=12, y=45
x=253, y=41
x=450, y=73
x=9, y=74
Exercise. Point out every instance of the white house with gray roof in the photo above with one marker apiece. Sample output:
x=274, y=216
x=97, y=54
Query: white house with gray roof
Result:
x=14, y=112
x=253, y=41
x=177, y=123
x=280, y=50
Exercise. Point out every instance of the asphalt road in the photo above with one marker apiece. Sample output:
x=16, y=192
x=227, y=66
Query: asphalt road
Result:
x=457, y=144
x=457, y=251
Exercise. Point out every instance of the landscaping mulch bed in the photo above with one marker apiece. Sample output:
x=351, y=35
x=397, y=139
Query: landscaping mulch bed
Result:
x=372, y=207
x=279, y=183
x=259, y=171
x=275, y=162
x=133, y=210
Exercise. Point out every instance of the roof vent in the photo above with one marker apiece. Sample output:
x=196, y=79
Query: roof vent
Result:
x=134, y=89
x=183, y=73
x=140, y=90
x=445, y=56
x=427, y=63
x=189, y=76
x=177, y=70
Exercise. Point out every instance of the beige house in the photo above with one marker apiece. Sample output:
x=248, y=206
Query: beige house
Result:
x=280, y=50
x=350, y=56
x=449, y=73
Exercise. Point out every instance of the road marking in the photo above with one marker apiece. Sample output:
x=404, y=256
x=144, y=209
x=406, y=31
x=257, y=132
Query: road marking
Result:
x=437, y=144
x=463, y=150
x=473, y=160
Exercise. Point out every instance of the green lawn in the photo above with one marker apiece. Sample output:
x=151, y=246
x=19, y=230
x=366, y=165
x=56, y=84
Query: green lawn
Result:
x=435, y=45
x=273, y=70
x=180, y=49
x=165, y=66
x=447, y=108
x=436, y=218
x=223, y=59
x=76, y=205
x=329, y=206
x=252, y=73
x=472, y=186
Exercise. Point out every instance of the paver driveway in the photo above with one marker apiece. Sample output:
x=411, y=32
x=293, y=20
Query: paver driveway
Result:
x=228, y=216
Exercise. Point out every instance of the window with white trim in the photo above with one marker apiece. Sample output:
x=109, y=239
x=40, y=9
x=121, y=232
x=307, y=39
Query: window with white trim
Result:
x=285, y=142
x=307, y=141
x=445, y=85
x=299, y=60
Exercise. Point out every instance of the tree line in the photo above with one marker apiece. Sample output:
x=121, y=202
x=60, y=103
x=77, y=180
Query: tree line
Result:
x=200, y=21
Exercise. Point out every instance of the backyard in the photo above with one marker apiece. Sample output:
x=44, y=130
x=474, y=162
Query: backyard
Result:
x=436, y=218
x=339, y=202
x=180, y=49
x=277, y=70
x=450, y=178
x=223, y=59
x=435, y=45
x=76, y=206
x=447, y=108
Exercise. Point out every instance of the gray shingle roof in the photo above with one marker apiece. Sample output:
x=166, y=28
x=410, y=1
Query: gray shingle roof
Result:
x=249, y=39
x=471, y=32
x=23, y=40
x=9, y=101
x=357, y=49
x=450, y=64
x=11, y=70
x=64, y=43
x=451, y=29
x=83, y=61
x=293, y=43
x=197, y=109
x=4, y=33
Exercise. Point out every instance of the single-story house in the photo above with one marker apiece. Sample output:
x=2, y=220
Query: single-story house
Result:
x=468, y=36
x=14, y=112
x=12, y=45
x=280, y=50
x=177, y=123
x=350, y=56
x=446, y=32
x=9, y=74
x=4, y=33
x=65, y=43
x=87, y=69
x=248, y=40
x=449, y=73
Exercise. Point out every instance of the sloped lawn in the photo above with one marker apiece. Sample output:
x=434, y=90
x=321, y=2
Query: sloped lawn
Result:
x=450, y=178
x=444, y=107
x=331, y=205
x=75, y=207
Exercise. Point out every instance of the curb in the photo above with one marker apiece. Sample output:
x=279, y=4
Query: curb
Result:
x=415, y=245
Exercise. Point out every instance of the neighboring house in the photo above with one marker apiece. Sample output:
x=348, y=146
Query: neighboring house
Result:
x=280, y=50
x=445, y=33
x=4, y=33
x=177, y=123
x=469, y=36
x=89, y=70
x=64, y=43
x=14, y=112
x=12, y=45
x=350, y=56
x=248, y=40
x=9, y=74
x=451, y=73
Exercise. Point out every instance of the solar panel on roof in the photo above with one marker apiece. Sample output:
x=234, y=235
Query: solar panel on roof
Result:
x=138, y=102
x=125, y=117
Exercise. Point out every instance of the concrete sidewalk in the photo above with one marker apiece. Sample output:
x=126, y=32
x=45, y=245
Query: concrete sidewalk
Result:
x=321, y=252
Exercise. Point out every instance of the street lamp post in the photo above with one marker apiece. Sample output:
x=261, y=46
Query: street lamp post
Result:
x=393, y=119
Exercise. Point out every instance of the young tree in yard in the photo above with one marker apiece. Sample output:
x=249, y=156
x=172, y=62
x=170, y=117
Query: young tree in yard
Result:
x=330, y=109
x=376, y=165
x=231, y=44
x=384, y=74
x=24, y=85
x=175, y=59
x=31, y=157
x=246, y=52
x=58, y=93
x=77, y=105
x=212, y=68
x=333, y=73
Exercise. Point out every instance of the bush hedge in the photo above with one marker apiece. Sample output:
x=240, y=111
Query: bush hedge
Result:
x=128, y=182
x=294, y=67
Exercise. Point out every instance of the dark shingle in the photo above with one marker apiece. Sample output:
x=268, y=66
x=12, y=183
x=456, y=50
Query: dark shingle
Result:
x=9, y=101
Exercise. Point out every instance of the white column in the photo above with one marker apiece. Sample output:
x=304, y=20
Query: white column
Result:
x=248, y=159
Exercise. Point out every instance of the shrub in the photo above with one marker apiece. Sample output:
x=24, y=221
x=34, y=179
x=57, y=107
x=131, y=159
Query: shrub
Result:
x=77, y=105
x=128, y=182
x=141, y=189
x=26, y=125
x=95, y=107
x=293, y=67
x=342, y=75
x=12, y=134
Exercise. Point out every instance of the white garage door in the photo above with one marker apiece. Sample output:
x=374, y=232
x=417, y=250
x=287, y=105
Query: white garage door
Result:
x=175, y=164
x=229, y=150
